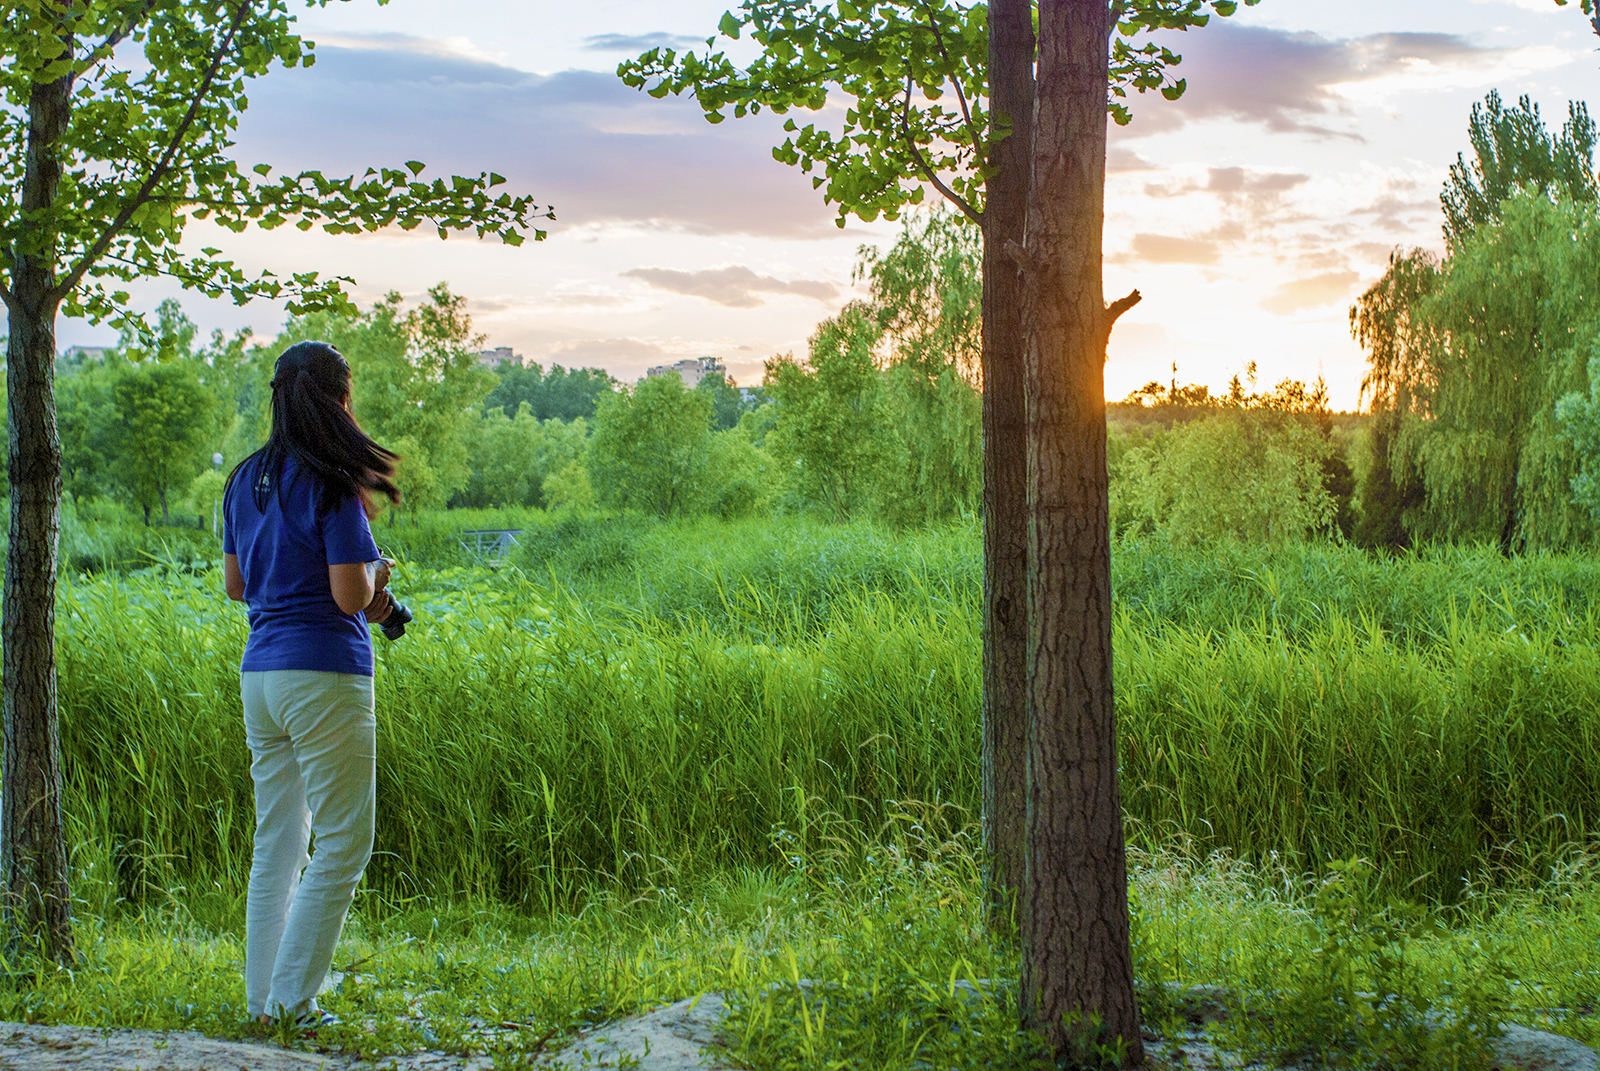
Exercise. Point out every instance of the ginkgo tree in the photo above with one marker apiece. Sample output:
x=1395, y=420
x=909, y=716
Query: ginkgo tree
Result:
x=944, y=95
x=119, y=124
x=938, y=97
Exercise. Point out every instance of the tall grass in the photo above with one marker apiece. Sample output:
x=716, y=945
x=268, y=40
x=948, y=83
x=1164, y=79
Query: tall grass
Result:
x=1296, y=589
x=539, y=741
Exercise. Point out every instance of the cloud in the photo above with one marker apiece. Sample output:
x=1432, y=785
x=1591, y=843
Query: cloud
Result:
x=1240, y=180
x=1119, y=159
x=1297, y=82
x=640, y=42
x=1232, y=182
x=1401, y=207
x=735, y=286
x=554, y=299
x=600, y=152
x=460, y=48
x=1309, y=293
x=1166, y=249
x=597, y=351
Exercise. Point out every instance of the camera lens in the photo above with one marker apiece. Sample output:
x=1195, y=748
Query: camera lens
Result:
x=394, y=626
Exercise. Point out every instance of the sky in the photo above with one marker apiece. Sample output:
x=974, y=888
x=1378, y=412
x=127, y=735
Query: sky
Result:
x=1312, y=141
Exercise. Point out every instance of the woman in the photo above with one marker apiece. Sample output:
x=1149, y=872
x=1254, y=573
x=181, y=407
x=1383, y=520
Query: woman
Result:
x=297, y=547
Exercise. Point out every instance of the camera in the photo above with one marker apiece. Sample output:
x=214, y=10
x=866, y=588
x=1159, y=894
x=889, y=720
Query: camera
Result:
x=394, y=626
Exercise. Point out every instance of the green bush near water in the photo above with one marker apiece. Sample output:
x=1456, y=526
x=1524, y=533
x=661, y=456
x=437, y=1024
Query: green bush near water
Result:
x=539, y=744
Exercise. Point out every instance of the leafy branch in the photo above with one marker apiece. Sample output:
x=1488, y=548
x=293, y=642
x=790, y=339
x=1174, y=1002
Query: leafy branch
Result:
x=148, y=150
x=878, y=53
x=163, y=166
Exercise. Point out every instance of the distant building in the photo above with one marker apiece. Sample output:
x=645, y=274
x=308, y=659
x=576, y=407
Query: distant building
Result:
x=691, y=370
x=498, y=356
x=84, y=354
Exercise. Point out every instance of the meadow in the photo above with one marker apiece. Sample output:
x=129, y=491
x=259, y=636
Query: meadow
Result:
x=636, y=761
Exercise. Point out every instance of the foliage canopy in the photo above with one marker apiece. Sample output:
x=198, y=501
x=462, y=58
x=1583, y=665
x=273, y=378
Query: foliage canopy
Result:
x=915, y=73
x=157, y=87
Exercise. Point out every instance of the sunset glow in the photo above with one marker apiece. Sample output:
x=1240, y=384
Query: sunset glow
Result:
x=1312, y=140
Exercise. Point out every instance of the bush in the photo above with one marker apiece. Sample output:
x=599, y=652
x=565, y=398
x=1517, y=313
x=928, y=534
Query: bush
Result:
x=1252, y=475
x=98, y=535
x=582, y=548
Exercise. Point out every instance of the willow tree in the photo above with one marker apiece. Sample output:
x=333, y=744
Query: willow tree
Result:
x=1467, y=356
x=120, y=118
x=939, y=96
x=1387, y=321
x=1517, y=315
x=926, y=295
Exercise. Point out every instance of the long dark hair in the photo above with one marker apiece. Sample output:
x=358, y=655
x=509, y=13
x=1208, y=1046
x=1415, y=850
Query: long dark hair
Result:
x=310, y=385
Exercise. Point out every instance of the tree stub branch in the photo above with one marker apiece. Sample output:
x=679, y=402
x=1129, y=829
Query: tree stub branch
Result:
x=1115, y=310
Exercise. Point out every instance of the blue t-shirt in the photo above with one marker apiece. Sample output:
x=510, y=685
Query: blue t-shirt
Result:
x=284, y=554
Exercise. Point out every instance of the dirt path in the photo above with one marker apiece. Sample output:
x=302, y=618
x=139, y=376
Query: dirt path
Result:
x=678, y=1037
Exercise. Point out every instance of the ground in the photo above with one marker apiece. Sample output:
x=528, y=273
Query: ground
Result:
x=678, y=1037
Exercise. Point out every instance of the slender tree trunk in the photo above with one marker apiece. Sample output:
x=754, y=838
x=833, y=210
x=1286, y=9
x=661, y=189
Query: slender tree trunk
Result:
x=1076, y=962
x=33, y=858
x=1005, y=457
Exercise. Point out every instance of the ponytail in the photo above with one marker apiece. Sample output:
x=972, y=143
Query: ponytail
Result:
x=310, y=423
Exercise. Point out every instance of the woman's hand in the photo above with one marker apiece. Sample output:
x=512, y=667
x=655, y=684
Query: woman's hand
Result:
x=377, y=610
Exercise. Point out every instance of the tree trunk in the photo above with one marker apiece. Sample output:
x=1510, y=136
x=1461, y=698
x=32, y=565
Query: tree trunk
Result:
x=33, y=857
x=1005, y=459
x=1077, y=968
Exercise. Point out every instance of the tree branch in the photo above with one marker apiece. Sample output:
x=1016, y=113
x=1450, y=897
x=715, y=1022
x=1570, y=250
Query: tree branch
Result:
x=1115, y=310
x=927, y=172
x=95, y=251
x=955, y=80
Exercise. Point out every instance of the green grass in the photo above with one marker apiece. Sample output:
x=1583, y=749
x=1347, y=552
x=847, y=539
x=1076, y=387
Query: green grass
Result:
x=884, y=928
x=688, y=745
x=538, y=744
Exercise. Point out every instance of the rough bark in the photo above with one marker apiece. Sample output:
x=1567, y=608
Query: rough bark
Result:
x=33, y=858
x=1076, y=962
x=1005, y=458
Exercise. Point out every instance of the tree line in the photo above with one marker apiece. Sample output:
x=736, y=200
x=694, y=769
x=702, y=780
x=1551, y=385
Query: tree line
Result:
x=881, y=419
x=1483, y=383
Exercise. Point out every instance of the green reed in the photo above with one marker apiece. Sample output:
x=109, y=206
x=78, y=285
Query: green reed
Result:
x=543, y=737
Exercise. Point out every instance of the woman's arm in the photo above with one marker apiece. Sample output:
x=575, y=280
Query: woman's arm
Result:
x=232, y=579
x=356, y=584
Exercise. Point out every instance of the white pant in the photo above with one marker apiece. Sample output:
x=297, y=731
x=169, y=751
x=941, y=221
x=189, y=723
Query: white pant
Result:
x=314, y=741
